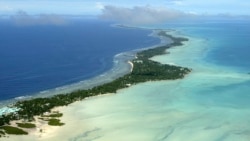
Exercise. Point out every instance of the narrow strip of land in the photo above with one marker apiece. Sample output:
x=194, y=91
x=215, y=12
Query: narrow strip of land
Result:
x=143, y=69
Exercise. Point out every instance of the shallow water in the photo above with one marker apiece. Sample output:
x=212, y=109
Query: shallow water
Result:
x=209, y=104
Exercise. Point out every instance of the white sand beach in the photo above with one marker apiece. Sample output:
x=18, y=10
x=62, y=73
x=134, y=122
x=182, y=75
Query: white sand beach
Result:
x=132, y=66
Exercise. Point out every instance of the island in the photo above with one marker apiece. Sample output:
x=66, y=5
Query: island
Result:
x=143, y=69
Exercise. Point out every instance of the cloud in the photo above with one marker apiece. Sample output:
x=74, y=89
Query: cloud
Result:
x=141, y=15
x=23, y=19
x=177, y=2
x=4, y=8
x=99, y=5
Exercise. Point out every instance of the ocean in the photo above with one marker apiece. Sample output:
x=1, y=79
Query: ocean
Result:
x=38, y=58
x=209, y=104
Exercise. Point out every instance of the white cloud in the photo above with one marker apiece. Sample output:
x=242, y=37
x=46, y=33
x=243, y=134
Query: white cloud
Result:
x=99, y=5
x=5, y=8
x=177, y=2
x=23, y=19
x=141, y=15
x=193, y=13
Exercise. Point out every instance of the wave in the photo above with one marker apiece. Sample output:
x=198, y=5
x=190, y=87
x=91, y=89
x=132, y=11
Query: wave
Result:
x=23, y=97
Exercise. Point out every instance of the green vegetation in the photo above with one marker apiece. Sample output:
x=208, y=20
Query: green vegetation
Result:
x=55, y=122
x=53, y=115
x=144, y=70
x=26, y=125
x=13, y=130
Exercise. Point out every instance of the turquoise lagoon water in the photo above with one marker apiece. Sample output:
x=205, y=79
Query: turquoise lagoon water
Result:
x=210, y=104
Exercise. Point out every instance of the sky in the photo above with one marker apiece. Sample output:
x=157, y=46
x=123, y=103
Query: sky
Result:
x=132, y=12
x=91, y=7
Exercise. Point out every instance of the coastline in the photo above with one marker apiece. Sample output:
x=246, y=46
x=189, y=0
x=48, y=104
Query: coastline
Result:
x=140, y=60
x=120, y=68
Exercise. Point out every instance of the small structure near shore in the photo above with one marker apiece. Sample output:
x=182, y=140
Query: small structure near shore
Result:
x=128, y=85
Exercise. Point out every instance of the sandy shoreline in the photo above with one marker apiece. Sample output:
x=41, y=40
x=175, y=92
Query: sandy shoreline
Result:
x=132, y=66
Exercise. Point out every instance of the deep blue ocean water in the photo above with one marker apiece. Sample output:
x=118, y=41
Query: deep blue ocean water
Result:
x=37, y=58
